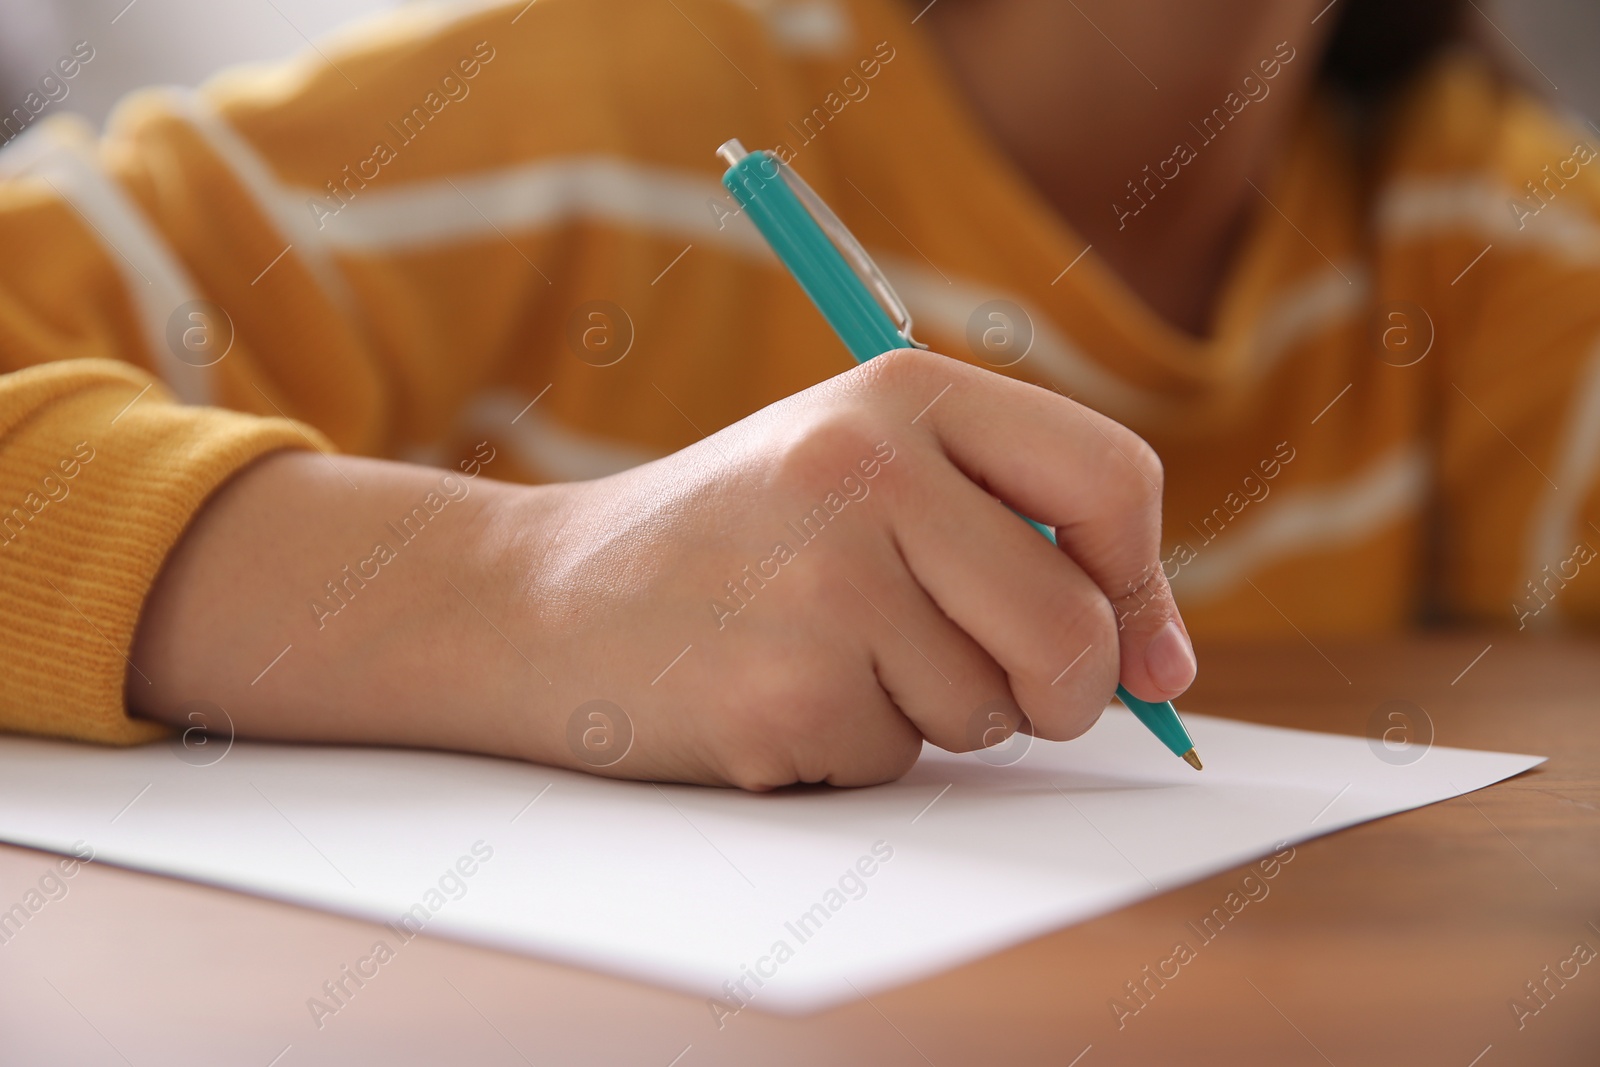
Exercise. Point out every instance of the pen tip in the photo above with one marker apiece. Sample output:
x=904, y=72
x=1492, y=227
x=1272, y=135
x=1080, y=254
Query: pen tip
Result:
x=1192, y=760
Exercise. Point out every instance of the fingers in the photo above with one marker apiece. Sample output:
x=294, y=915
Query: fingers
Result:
x=817, y=716
x=1045, y=622
x=874, y=743
x=1094, y=481
x=932, y=668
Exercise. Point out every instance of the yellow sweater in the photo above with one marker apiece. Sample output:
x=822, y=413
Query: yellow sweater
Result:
x=505, y=222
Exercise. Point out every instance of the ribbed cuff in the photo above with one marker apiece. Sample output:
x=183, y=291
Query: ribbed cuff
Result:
x=100, y=473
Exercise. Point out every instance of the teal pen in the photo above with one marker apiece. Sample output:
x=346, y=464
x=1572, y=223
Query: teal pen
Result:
x=863, y=309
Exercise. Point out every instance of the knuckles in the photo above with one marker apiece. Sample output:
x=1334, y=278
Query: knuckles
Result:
x=836, y=460
x=826, y=447
x=1138, y=489
x=1147, y=463
x=899, y=370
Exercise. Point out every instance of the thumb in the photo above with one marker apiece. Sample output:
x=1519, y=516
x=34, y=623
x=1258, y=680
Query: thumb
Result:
x=1158, y=661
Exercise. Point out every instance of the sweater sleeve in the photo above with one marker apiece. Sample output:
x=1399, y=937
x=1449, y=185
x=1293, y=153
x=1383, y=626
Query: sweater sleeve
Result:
x=117, y=366
x=100, y=473
x=1518, y=377
x=168, y=303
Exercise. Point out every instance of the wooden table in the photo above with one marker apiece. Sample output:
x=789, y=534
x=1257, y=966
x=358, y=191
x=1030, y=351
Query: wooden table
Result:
x=1403, y=941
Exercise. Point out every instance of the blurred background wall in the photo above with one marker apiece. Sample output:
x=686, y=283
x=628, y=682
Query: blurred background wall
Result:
x=148, y=42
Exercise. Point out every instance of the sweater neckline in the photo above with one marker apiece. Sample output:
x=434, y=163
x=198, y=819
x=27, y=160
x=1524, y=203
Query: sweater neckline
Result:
x=1091, y=300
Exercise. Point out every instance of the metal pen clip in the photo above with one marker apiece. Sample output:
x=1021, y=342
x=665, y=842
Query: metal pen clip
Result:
x=841, y=238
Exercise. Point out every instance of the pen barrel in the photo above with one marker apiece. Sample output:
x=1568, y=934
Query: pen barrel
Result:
x=1161, y=719
x=859, y=320
x=756, y=181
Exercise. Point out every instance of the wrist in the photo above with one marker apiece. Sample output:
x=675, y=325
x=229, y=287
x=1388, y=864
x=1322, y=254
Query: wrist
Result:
x=307, y=608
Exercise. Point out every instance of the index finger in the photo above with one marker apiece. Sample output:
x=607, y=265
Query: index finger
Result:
x=1092, y=480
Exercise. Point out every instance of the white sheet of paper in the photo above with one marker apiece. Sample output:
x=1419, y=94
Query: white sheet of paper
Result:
x=691, y=887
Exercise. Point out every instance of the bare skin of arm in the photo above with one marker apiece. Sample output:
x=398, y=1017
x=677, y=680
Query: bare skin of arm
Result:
x=908, y=604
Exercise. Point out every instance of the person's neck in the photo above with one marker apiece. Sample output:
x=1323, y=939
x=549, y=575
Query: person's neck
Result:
x=1090, y=100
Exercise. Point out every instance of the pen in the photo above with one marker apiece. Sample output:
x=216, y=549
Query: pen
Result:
x=866, y=313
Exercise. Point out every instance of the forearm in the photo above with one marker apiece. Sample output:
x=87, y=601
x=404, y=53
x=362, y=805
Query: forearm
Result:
x=337, y=599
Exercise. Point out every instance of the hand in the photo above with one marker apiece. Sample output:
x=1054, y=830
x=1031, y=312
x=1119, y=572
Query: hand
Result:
x=803, y=596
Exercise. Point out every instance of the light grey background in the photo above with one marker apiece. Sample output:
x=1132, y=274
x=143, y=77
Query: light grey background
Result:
x=153, y=42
